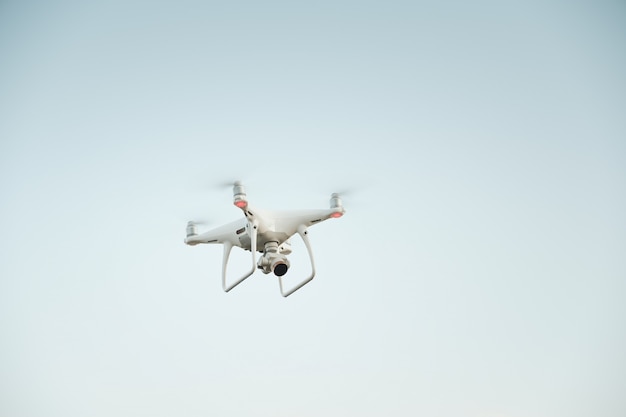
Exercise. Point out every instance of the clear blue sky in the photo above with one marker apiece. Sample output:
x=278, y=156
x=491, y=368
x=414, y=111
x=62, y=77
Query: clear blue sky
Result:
x=480, y=269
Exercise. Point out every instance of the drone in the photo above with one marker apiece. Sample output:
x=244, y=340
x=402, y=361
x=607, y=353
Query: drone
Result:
x=267, y=232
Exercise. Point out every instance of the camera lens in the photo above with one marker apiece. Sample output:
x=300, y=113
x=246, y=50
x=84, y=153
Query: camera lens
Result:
x=280, y=270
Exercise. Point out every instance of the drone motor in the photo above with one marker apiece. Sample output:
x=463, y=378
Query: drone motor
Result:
x=239, y=196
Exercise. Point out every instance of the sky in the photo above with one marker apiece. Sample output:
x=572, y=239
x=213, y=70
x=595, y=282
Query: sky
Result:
x=479, y=269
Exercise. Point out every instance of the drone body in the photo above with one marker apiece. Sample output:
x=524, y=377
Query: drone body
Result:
x=267, y=232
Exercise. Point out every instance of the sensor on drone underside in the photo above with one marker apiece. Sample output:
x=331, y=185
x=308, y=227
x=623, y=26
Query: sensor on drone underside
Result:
x=266, y=232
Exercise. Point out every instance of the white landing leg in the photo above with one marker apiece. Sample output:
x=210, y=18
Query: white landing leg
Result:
x=302, y=231
x=227, y=248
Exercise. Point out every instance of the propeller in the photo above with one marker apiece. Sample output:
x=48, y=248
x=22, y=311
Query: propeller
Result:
x=345, y=192
x=227, y=184
x=200, y=222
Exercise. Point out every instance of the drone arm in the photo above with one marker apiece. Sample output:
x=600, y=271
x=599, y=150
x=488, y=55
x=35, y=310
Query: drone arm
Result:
x=227, y=248
x=220, y=235
x=302, y=231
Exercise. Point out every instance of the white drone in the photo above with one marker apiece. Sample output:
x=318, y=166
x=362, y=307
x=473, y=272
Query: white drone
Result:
x=269, y=233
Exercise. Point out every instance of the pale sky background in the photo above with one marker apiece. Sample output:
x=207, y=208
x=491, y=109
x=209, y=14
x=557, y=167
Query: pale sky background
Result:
x=480, y=269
